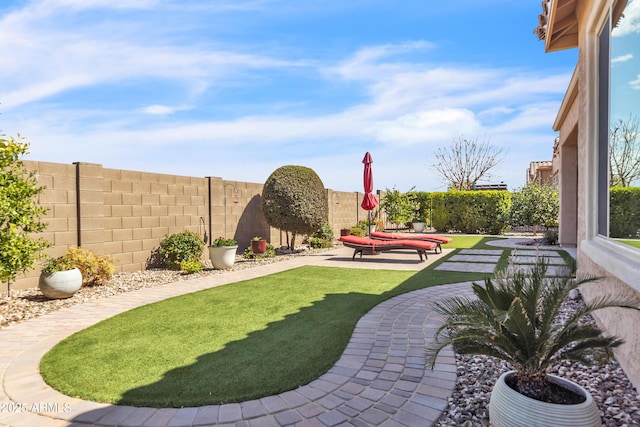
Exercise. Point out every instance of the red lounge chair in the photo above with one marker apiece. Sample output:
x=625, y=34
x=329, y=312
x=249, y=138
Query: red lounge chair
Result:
x=373, y=246
x=440, y=240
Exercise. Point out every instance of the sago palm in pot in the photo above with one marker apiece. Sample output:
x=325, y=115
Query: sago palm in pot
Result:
x=516, y=317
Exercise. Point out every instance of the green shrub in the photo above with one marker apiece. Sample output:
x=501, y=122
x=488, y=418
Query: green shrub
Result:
x=270, y=253
x=471, y=211
x=398, y=206
x=358, y=231
x=184, y=246
x=191, y=266
x=535, y=205
x=421, y=201
x=324, y=233
x=550, y=238
x=624, y=208
x=95, y=269
x=318, y=243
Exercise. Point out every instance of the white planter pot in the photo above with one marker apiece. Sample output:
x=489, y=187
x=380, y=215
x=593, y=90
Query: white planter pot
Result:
x=61, y=284
x=508, y=408
x=418, y=227
x=372, y=229
x=222, y=257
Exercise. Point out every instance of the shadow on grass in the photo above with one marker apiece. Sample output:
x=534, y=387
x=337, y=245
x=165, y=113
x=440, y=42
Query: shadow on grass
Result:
x=284, y=355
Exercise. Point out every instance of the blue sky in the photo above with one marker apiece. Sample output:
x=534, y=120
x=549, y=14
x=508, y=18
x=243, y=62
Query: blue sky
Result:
x=238, y=88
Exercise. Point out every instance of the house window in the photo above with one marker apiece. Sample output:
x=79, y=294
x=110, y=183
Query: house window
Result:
x=619, y=125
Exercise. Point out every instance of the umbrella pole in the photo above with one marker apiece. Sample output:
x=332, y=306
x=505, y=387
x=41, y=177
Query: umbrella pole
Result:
x=369, y=224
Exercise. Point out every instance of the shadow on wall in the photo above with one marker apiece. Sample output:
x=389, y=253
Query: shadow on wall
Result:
x=252, y=223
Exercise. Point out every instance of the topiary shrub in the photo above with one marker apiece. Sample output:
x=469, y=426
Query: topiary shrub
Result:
x=294, y=200
x=183, y=246
x=95, y=269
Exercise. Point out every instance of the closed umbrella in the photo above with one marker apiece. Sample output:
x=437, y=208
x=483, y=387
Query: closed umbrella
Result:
x=369, y=202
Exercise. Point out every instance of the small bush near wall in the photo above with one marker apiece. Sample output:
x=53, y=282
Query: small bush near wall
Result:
x=184, y=246
x=95, y=269
x=624, y=212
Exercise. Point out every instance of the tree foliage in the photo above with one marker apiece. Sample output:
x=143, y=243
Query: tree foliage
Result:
x=398, y=206
x=624, y=152
x=466, y=161
x=535, y=205
x=294, y=200
x=20, y=213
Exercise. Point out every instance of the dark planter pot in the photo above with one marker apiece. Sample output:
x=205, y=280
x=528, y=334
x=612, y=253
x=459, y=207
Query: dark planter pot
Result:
x=258, y=246
x=345, y=232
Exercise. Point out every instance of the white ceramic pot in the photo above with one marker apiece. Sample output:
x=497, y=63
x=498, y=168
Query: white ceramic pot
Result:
x=61, y=284
x=418, y=227
x=508, y=408
x=222, y=257
x=372, y=229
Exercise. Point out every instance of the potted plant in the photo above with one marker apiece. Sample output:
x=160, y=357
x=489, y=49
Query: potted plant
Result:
x=418, y=222
x=516, y=318
x=59, y=278
x=369, y=226
x=258, y=245
x=222, y=253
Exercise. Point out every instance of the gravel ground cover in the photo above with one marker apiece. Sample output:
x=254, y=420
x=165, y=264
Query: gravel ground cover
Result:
x=618, y=400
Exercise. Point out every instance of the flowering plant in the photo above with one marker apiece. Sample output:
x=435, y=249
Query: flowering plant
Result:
x=221, y=241
x=61, y=263
x=257, y=239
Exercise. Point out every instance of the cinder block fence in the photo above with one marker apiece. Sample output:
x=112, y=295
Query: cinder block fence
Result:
x=127, y=213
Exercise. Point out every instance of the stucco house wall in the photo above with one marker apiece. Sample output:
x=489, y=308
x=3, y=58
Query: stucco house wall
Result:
x=570, y=24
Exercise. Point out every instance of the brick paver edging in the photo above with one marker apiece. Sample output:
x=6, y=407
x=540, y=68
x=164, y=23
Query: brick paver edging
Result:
x=380, y=380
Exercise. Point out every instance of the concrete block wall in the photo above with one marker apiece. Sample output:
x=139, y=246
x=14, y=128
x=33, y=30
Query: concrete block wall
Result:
x=126, y=213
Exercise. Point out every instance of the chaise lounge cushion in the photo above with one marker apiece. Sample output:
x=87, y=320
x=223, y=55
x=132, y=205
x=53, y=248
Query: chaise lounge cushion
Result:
x=390, y=236
x=372, y=246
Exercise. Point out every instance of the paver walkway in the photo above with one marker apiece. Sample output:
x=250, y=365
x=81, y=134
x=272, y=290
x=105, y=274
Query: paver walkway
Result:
x=380, y=380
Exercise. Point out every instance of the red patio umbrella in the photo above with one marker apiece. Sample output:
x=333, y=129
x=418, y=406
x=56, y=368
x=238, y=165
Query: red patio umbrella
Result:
x=369, y=202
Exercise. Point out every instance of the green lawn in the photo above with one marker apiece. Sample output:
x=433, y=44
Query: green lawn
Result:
x=231, y=343
x=631, y=242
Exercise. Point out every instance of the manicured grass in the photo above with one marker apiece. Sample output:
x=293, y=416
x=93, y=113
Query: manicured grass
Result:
x=464, y=242
x=231, y=343
x=631, y=242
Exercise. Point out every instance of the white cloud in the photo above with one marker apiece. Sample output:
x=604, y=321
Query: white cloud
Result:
x=622, y=58
x=61, y=56
x=163, y=110
x=434, y=126
x=635, y=83
x=630, y=22
x=100, y=4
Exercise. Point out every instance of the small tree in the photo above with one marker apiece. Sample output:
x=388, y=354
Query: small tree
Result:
x=466, y=161
x=20, y=213
x=535, y=205
x=398, y=206
x=294, y=200
x=624, y=152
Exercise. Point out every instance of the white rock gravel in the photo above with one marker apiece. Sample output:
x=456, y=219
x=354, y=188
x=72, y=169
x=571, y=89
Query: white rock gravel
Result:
x=618, y=400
